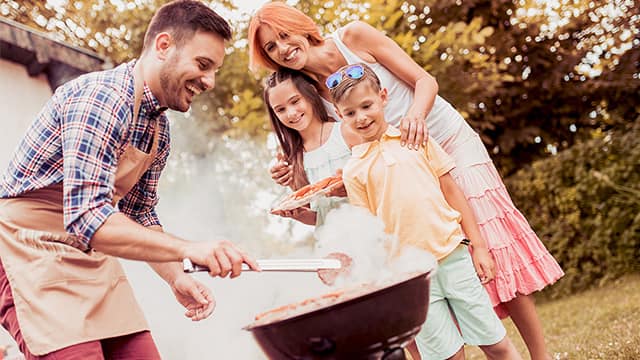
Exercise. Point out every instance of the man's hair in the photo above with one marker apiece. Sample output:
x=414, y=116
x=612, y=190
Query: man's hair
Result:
x=347, y=84
x=281, y=18
x=182, y=19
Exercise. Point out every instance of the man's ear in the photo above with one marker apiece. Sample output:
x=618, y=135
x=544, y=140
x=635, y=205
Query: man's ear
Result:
x=163, y=44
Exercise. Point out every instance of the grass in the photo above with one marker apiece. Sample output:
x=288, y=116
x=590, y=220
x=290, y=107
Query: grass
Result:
x=602, y=323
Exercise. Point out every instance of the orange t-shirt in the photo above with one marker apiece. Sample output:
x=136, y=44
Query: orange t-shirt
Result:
x=402, y=187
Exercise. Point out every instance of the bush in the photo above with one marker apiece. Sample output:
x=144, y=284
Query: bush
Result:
x=584, y=203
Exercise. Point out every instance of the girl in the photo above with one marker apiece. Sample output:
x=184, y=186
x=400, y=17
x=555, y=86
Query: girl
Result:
x=313, y=143
x=281, y=36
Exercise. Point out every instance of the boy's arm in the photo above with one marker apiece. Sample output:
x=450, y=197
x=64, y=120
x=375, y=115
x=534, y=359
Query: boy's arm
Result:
x=481, y=258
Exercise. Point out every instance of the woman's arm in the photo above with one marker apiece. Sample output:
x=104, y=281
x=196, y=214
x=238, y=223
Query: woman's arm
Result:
x=372, y=45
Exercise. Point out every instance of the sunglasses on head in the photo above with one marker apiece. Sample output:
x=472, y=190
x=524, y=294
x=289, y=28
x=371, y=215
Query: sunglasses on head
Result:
x=354, y=72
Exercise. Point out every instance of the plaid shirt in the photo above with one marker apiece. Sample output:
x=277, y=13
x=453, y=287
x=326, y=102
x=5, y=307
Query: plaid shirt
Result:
x=77, y=139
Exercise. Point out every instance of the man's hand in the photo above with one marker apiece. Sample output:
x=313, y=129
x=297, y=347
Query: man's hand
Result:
x=194, y=296
x=221, y=257
x=484, y=264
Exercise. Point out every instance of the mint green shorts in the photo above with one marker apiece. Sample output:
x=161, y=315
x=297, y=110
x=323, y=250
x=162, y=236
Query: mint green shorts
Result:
x=457, y=292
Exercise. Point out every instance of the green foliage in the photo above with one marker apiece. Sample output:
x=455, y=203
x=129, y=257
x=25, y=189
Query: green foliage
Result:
x=522, y=73
x=584, y=203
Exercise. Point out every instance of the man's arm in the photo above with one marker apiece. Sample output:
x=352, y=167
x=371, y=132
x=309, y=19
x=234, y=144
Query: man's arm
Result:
x=122, y=237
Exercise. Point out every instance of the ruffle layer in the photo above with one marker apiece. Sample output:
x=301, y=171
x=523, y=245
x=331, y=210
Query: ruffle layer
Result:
x=523, y=264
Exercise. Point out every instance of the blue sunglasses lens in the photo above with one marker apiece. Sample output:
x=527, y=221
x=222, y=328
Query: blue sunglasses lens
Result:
x=354, y=72
x=334, y=80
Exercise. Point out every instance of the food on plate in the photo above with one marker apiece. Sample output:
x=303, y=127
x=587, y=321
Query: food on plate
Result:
x=308, y=193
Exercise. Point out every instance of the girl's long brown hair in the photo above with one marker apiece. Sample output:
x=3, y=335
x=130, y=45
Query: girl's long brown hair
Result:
x=290, y=139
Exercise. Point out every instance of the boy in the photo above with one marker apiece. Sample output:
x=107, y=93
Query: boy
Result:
x=419, y=202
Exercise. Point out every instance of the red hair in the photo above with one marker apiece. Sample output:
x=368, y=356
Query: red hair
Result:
x=280, y=17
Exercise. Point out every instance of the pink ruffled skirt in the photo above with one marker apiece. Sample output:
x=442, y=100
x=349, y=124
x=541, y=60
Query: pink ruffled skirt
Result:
x=523, y=264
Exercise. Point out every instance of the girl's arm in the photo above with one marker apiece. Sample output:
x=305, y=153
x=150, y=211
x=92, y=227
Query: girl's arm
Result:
x=481, y=258
x=373, y=46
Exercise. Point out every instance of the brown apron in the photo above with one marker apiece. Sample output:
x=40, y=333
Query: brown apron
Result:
x=64, y=296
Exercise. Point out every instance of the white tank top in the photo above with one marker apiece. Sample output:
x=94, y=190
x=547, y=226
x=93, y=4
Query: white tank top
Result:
x=443, y=121
x=324, y=162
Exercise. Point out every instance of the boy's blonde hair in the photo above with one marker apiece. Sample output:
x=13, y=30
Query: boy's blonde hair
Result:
x=342, y=90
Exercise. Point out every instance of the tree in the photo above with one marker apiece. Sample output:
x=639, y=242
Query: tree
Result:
x=530, y=77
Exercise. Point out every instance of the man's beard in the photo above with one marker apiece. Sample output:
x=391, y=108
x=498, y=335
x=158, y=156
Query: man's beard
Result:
x=170, y=86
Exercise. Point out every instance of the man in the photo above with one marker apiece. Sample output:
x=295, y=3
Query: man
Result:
x=81, y=190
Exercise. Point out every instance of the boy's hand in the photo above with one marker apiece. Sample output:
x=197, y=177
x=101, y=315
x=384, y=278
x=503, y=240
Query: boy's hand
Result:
x=484, y=264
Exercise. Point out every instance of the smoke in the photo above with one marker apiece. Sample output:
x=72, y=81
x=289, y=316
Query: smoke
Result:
x=213, y=189
x=377, y=256
x=221, y=189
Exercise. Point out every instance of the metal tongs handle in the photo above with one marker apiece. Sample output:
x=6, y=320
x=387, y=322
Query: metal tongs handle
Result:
x=275, y=265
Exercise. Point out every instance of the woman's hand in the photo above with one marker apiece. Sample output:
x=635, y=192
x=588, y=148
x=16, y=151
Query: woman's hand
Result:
x=484, y=264
x=282, y=172
x=414, y=131
x=194, y=296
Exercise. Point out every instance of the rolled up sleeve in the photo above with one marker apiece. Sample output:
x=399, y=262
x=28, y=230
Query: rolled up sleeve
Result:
x=92, y=123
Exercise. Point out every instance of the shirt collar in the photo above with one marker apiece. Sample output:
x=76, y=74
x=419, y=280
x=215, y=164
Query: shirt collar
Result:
x=362, y=150
x=150, y=105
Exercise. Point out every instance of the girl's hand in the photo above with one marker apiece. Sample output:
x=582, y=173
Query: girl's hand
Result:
x=302, y=214
x=414, y=132
x=484, y=264
x=338, y=188
x=281, y=172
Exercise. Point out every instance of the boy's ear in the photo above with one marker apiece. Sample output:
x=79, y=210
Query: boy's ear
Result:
x=384, y=96
x=337, y=111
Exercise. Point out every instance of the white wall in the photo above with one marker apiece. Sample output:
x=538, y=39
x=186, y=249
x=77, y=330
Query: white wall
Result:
x=21, y=98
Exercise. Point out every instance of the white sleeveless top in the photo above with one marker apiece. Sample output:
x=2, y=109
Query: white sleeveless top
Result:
x=443, y=121
x=446, y=126
x=324, y=162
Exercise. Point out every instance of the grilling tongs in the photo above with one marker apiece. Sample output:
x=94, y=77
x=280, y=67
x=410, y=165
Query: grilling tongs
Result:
x=310, y=265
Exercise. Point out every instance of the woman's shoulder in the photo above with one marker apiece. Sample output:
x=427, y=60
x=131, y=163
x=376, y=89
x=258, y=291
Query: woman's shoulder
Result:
x=355, y=30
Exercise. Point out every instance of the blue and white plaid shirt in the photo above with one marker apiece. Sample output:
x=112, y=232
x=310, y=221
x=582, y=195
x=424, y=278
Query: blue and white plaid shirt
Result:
x=77, y=139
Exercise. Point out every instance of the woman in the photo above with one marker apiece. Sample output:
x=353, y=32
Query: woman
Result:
x=282, y=36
